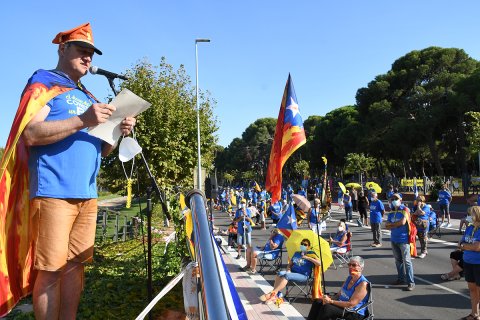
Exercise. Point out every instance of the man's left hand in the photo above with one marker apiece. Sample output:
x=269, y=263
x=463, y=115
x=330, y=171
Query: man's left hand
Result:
x=127, y=125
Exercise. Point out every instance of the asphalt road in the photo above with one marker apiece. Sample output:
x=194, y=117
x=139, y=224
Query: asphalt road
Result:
x=432, y=297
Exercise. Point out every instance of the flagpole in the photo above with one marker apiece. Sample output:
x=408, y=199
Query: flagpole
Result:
x=318, y=227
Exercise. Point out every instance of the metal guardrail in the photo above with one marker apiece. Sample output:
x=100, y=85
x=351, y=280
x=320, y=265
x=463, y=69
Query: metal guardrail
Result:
x=212, y=304
x=113, y=226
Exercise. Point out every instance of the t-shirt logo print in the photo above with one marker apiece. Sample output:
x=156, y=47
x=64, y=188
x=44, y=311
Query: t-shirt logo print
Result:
x=81, y=105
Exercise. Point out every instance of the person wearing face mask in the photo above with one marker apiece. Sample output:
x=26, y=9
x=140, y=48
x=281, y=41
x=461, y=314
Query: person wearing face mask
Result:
x=470, y=245
x=338, y=243
x=398, y=223
x=377, y=210
x=353, y=294
x=299, y=269
x=422, y=222
x=243, y=216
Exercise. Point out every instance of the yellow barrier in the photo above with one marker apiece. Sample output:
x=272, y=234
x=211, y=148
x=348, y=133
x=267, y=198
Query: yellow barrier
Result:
x=409, y=182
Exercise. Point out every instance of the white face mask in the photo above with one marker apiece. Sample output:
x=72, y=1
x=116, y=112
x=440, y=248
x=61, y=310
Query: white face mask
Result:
x=241, y=206
x=128, y=148
x=396, y=203
x=340, y=228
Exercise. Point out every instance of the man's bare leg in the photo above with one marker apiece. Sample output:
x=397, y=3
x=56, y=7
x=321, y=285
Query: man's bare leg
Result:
x=46, y=295
x=71, y=290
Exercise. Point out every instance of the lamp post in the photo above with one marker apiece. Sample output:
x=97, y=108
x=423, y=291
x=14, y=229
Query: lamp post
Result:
x=199, y=164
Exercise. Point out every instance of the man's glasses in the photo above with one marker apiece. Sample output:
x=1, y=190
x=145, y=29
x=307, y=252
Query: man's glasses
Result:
x=304, y=244
x=353, y=265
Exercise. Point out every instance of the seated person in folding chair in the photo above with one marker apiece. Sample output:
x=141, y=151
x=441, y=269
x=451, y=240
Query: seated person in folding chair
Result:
x=299, y=269
x=274, y=242
x=352, y=295
x=339, y=243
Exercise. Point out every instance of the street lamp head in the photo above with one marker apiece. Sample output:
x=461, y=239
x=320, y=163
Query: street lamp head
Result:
x=202, y=40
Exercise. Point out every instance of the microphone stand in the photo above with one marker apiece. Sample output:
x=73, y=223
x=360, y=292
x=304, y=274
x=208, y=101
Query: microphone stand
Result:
x=153, y=187
x=112, y=85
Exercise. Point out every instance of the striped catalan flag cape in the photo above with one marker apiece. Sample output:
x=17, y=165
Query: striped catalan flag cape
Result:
x=16, y=247
x=289, y=136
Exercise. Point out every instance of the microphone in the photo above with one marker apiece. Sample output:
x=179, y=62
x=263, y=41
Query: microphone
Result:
x=108, y=74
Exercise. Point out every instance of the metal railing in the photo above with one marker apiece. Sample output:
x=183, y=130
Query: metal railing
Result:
x=211, y=296
x=112, y=225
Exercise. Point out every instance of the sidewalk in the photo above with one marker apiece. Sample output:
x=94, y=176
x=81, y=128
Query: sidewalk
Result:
x=251, y=287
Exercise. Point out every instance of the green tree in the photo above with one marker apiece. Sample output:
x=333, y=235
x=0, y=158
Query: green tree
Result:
x=167, y=131
x=301, y=169
x=359, y=163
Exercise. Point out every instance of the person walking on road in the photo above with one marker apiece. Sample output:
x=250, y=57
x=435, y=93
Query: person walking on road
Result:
x=354, y=195
x=377, y=210
x=347, y=204
x=470, y=245
x=444, y=199
x=363, y=204
x=398, y=224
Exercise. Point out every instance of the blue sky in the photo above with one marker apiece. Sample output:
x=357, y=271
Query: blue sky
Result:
x=331, y=48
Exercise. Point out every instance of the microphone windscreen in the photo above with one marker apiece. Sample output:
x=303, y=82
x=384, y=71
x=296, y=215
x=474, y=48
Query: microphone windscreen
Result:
x=93, y=69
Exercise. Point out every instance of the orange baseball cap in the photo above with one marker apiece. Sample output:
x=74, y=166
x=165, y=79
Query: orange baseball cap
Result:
x=81, y=36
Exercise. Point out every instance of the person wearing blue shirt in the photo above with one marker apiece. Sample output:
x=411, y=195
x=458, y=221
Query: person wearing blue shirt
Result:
x=470, y=245
x=284, y=194
x=299, y=270
x=63, y=164
x=397, y=223
x=314, y=216
x=302, y=192
x=444, y=199
x=243, y=216
x=347, y=203
x=269, y=251
x=289, y=193
x=352, y=295
x=340, y=198
x=422, y=214
x=275, y=211
x=377, y=210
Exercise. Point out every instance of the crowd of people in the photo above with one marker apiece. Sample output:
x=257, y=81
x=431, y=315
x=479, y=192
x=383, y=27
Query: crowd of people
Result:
x=406, y=224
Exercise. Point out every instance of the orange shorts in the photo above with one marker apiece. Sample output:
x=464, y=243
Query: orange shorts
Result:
x=63, y=230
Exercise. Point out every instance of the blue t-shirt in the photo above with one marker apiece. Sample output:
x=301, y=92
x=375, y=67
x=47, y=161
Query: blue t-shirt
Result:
x=302, y=193
x=390, y=194
x=399, y=234
x=346, y=293
x=275, y=211
x=376, y=209
x=67, y=168
x=349, y=199
x=426, y=215
x=471, y=235
x=300, y=265
x=278, y=239
x=444, y=197
x=238, y=214
x=313, y=216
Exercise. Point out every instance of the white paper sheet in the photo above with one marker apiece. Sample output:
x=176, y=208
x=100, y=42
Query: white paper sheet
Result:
x=128, y=104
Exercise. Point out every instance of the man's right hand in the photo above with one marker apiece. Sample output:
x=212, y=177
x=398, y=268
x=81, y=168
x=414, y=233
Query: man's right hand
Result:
x=96, y=114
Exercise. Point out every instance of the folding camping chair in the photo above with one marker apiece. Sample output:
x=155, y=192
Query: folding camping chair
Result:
x=272, y=264
x=343, y=257
x=295, y=289
x=368, y=306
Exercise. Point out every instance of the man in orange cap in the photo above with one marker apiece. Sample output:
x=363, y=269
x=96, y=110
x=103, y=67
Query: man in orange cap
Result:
x=63, y=161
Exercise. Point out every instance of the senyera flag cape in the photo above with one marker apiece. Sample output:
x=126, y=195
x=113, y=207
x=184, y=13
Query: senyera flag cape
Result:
x=289, y=136
x=16, y=247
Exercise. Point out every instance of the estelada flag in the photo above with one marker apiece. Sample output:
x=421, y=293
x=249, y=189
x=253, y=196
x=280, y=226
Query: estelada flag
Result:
x=289, y=136
x=16, y=245
x=288, y=222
